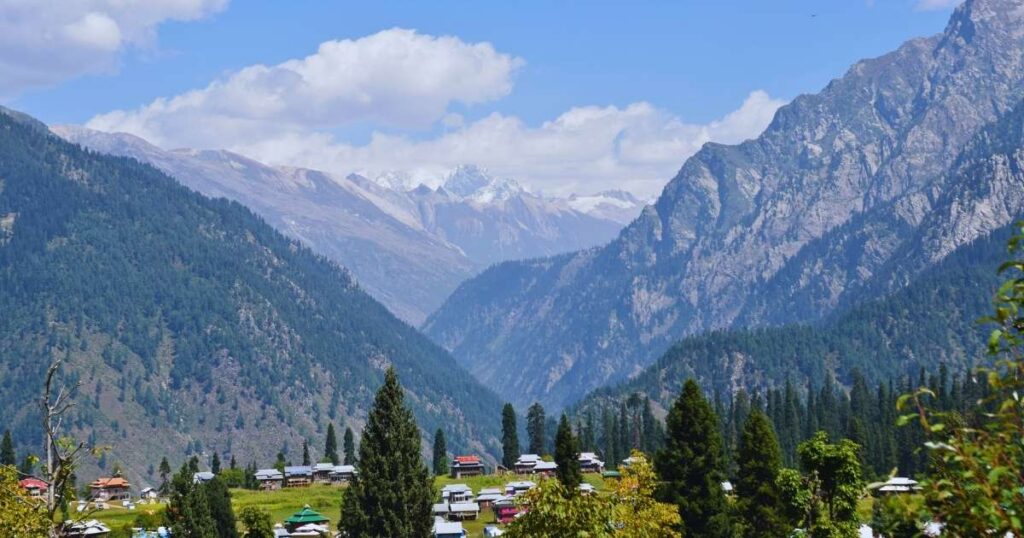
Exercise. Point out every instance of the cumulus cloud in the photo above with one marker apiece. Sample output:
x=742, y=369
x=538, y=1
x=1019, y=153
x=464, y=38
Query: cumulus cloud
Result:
x=586, y=149
x=285, y=114
x=395, y=77
x=43, y=42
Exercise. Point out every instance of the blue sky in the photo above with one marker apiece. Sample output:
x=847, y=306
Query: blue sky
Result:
x=690, y=62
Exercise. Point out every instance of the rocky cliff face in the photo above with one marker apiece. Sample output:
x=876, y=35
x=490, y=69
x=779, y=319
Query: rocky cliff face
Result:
x=816, y=213
x=409, y=248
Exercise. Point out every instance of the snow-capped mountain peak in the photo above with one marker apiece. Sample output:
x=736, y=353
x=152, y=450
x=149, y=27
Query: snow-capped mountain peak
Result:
x=467, y=179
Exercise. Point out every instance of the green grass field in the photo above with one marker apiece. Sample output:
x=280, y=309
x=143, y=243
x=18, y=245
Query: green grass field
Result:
x=322, y=498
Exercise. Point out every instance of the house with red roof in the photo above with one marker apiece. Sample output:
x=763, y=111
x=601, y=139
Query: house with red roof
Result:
x=466, y=466
x=113, y=488
x=35, y=487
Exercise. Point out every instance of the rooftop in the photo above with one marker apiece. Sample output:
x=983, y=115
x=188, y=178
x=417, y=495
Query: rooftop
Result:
x=110, y=482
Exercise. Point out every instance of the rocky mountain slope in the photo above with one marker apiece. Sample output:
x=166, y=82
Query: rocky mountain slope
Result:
x=845, y=196
x=191, y=325
x=408, y=247
x=931, y=321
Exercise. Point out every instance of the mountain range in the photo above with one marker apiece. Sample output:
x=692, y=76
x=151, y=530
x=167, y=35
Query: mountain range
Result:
x=408, y=245
x=846, y=196
x=187, y=324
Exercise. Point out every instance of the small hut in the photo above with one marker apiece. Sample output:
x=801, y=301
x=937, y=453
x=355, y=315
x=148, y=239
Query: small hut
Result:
x=305, y=517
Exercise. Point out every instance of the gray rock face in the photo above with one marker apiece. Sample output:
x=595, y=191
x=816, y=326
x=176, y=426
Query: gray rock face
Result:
x=820, y=211
x=408, y=248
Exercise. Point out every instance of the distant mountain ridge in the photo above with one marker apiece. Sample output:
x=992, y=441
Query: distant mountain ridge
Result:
x=408, y=246
x=189, y=324
x=844, y=197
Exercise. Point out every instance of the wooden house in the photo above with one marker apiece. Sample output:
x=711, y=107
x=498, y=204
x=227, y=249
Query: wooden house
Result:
x=298, y=476
x=113, y=488
x=466, y=466
x=270, y=479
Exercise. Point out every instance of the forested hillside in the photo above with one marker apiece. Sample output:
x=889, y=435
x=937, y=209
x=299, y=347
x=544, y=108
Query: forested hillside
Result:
x=189, y=324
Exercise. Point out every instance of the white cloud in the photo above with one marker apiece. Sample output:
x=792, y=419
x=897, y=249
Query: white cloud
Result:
x=283, y=114
x=931, y=5
x=395, y=77
x=584, y=150
x=46, y=42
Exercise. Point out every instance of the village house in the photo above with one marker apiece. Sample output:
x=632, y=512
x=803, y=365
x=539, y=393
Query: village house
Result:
x=525, y=463
x=307, y=520
x=298, y=476
x=149, y=494
x=587, y=489
x=545, y=468
x=589, y=463
x=440, y=510
x=322, y=473
x=456, y=493
x=35, y=487
x=519, y=487
x=82, y=529
x=505, y=509
x=899, y=484
x=463, y=510
x=202, y=477
x=466, y=466
x=113, y=488
x=446, y=529
x=270, y=479
x=343, y=473
x=487, y=496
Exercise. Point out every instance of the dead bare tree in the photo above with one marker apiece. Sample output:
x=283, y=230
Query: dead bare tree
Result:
x=62, y=453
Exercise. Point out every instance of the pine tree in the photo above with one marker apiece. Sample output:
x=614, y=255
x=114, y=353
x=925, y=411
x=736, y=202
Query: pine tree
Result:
x=567, y=457
x=233, y=465
x=349, y=446
x=280, y=463
x=622, y=444
x=509, y=437
x=305, y=454
x=535, y=424
x=28, y=466
x=608, y=435
x=392, y=494
x=691, y=468
x=759, y=460
x=188, y=512
x=440, y=453
x=215, y=464
x=165, y=476
x=218, y=499
x=652, y=429
x=331, y=445
x=7, y=456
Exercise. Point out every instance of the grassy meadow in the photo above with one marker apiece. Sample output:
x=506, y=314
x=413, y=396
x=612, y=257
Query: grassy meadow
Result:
x=325, y=499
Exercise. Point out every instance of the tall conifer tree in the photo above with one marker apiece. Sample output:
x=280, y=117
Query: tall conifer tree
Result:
x=331, y=445
x=535, y=424
x=509, y=437
x=691, y=468
x=218, y=499
x=440, y=453
x=392, y=494
x=306, y=460
x=350, y=446
x=7, y=456
x=759, y=460
x=567, y=457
